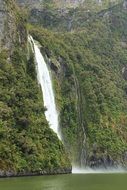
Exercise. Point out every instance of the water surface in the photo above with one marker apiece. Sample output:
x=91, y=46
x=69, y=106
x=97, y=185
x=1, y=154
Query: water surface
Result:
x=67, y=182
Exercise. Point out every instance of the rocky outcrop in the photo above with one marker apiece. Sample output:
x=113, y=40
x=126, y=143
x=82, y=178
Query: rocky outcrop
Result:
x=101, y=161
x=30, y=3
x=3, y=17
x=125, y=4
x=58, y=3
x=12, y=25
x=35, y=173
x=63, y=3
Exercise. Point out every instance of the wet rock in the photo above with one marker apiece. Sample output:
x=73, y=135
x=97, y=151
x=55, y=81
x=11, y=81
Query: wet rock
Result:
x=56, y=171
x=11, y=32
x=101, y=161
x=125, y=4
x=124, y=72
x=3, y=16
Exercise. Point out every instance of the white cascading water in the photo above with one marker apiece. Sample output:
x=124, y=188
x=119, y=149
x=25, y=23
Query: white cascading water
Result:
x=44, y=79
x=51, y=113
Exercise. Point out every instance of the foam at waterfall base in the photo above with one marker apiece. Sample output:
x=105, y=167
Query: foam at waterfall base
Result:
x=87, y=170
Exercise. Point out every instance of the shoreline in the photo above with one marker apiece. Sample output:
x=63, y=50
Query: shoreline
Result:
x=10, y=174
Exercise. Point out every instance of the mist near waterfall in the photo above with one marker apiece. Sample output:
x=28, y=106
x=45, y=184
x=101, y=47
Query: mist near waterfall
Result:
x=88, y=170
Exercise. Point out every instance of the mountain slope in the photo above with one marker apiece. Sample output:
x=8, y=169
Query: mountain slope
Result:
x=88, y=63
x=27, y=145
x=89, y=78
x=63, y=18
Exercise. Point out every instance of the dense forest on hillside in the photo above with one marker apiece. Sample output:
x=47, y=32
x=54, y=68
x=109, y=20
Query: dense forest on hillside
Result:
x=90, y=85
x=27, y=144
x=86, y=52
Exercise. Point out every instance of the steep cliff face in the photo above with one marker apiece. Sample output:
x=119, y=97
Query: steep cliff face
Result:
x=64, y=15
x=91, y=90
x=12, y=25
x=57, y=3
x=30, y=3
x=27, y=145
x=66, y=3
x=2, y=20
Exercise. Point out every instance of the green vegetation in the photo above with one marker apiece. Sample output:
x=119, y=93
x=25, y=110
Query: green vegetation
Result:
x=27, y=144
x=90, y=87
x=92, y=5
x=91, y=92
x=60, y=16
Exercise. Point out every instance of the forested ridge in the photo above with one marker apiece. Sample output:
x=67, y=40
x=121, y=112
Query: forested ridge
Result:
x=91, y=84
x=27, y=144
x=88, y=60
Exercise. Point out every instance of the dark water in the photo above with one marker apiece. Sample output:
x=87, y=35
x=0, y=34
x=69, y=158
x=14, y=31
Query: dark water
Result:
x=67, y=182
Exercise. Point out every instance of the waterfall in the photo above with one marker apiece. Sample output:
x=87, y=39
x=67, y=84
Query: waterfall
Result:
x=44, y=79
